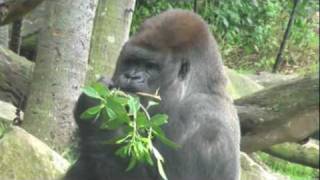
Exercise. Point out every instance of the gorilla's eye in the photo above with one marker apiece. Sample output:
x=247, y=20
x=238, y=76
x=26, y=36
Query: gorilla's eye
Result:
x=184, y=69
x=152, y=66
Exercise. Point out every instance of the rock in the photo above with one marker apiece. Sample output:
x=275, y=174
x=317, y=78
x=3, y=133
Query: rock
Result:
x=240, y=85
x=250, y=170
x=7, y=111
x=24, y=157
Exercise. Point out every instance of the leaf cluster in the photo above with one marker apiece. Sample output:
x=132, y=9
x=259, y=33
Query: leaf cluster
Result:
x=118, y=110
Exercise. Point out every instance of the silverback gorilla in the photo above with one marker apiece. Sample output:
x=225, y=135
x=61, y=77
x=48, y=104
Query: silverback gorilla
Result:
x=175, y=53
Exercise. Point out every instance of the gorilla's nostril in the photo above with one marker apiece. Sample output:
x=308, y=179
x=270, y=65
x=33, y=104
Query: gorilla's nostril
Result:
x=127, y=75
x=137, y=78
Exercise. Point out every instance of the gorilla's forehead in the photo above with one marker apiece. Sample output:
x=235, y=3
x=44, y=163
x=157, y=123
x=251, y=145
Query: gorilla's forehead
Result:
x=134, y=52
x=176, y=30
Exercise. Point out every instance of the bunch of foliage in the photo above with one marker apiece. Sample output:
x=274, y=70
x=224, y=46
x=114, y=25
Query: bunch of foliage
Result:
x=120, y=111
x=250, y=32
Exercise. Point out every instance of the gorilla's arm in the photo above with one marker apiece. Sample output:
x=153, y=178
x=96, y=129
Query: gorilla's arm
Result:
x=208, y=141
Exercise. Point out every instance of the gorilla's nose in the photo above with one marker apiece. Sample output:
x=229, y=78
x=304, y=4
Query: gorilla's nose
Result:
x=137, y=77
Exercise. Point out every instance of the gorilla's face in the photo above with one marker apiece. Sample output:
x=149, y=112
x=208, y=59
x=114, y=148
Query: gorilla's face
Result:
x=141, y=69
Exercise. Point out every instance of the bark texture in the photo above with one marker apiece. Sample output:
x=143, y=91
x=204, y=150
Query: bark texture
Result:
x=4, y=36
x=288, y=112
x=110, y=32
x=60, y=70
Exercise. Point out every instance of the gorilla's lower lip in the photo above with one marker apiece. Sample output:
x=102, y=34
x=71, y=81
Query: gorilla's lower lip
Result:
x=130, y=89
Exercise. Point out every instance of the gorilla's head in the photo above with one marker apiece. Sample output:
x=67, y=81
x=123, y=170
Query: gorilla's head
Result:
x=173, y=52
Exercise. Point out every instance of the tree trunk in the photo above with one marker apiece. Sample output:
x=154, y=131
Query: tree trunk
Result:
x=11, y=10
x=60, y=70
x=15, y=36
x=288, y=112
x=110, y=32
x=4, y=36
x=302, y=154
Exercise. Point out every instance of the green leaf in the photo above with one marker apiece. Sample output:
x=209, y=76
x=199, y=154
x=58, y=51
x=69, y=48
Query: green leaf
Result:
x=158, y=130
x=142, y=120
x=91, y=112
x=225, y=22
x=159, y=134
x=132, y=163
x=123, y=151
x=118, y=139
x=101, y=89
x=141, y=149
x=123, y=139
x=149, y=159
x=113, y=124
x=118, y=109
x=158, y=120
x=121, y=100
x=152, y=103
x=111, y=114
x=91, y=92
x=136, y=151
x=134, y=105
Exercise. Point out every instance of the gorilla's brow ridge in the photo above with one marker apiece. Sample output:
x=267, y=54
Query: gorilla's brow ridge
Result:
x=137, y=53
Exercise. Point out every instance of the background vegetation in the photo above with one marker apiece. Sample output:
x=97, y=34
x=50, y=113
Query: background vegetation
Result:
x=250, y=32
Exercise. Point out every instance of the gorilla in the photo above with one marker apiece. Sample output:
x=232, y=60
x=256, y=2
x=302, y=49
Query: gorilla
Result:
x=175, y=54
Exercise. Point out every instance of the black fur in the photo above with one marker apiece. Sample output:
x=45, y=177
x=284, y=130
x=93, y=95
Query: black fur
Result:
x=175, y=53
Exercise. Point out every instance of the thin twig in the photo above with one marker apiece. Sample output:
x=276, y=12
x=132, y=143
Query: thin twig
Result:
x=152, y=96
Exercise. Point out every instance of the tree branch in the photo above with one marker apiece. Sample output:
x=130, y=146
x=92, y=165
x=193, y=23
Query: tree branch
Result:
x=11, y=10
x=15, y=77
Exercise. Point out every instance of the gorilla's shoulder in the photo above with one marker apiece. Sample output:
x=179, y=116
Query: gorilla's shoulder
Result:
x=201, y=102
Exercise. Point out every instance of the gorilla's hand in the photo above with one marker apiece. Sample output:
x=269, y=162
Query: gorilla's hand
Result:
x=107, y=81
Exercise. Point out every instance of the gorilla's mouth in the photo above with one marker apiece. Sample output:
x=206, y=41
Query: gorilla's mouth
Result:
x=132, y=88
x=129, y=89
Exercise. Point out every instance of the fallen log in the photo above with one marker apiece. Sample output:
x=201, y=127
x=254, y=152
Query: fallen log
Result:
x=307, y=154
x=285, y=113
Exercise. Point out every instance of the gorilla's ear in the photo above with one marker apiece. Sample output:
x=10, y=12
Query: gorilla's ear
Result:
x=184, y=69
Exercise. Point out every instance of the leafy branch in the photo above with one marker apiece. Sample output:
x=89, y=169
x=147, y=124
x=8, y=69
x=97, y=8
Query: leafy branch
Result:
x=118, y=110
